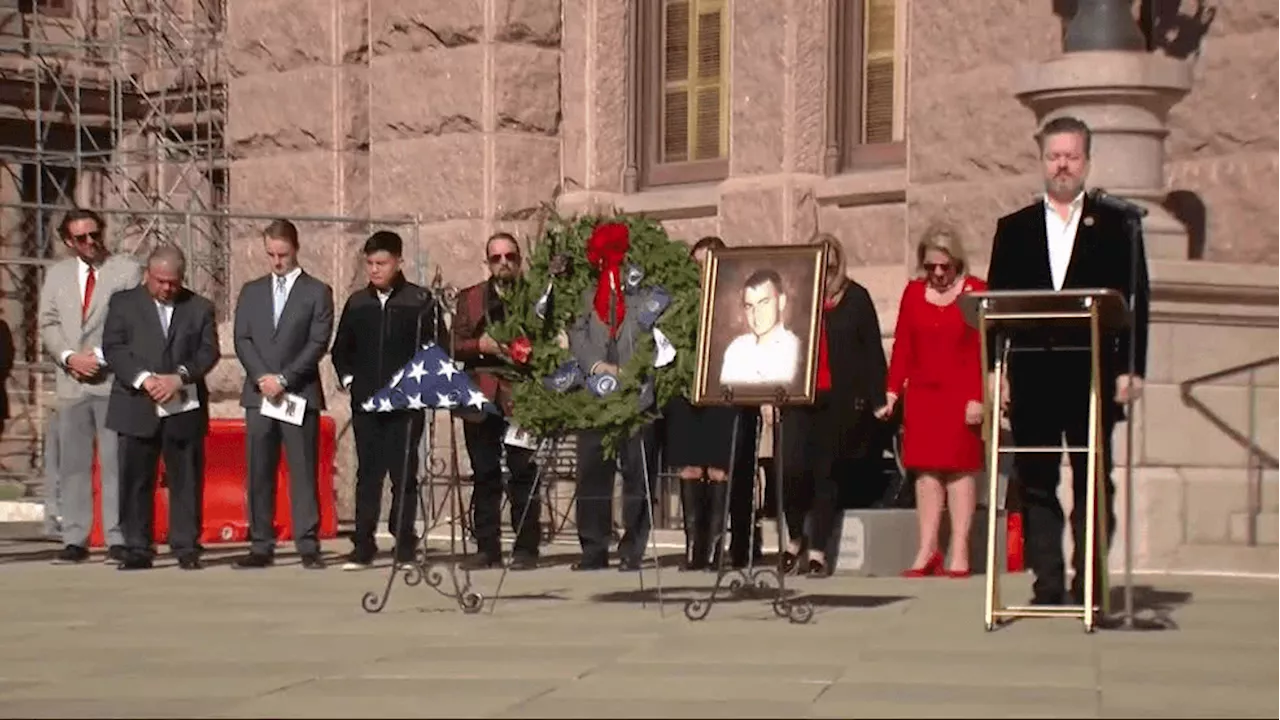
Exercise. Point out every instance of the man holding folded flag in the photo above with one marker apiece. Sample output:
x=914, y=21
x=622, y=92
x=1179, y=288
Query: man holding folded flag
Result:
x=390, y=353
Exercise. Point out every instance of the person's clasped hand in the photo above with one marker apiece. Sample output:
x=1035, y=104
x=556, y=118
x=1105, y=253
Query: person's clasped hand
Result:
x=269, y=386
x=83, y=365
x=885, y=411
x=973, y=413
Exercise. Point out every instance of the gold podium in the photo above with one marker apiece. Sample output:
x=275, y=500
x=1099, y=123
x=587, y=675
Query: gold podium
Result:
x=1008, y=312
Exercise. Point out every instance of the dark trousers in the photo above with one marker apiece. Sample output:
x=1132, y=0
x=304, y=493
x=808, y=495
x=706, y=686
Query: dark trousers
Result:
x=184, y=476
x=387, y=444
x=1050, y=402
x=808, y=450
x=301, y=449
x=595, y=494
x=485, y=448
x=742, y=497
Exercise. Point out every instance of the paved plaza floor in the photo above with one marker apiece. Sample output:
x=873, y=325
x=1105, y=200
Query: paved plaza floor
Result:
x=89, y=641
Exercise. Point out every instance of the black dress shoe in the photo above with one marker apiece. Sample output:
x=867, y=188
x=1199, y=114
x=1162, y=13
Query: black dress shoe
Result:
x=629, y=564
x=694, y=565
x=116, y=555
x=523, y=561
x=313, y=561
x=1077, y=595
x=135, y=562
x=787, y=562
x=253, y=560
x=589, y=565
x=361, y=559
x=71, y=555
x=481, y=561
x=190, y=562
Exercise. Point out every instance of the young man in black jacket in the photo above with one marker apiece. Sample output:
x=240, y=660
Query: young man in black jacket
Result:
x=381, y=327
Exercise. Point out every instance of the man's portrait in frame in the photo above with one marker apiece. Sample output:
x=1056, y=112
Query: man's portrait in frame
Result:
x=757, y=335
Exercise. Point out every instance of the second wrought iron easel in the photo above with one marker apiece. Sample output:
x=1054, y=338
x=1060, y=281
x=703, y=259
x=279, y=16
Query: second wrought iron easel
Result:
x=753, y=581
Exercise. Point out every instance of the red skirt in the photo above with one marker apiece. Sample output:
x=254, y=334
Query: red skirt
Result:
x=934, y=434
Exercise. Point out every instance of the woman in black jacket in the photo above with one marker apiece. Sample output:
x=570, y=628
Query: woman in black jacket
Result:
x=840, y=425
x=699, y=443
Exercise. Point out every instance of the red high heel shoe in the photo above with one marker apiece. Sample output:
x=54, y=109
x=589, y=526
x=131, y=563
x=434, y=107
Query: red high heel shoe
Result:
x=931, y=567
x=957, y=574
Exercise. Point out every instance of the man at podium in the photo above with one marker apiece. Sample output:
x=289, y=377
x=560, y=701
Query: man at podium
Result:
x=1072, y=239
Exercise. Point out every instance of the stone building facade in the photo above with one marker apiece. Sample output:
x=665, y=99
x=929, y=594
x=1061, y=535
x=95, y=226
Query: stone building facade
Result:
x=765, y=121
x=866, y=118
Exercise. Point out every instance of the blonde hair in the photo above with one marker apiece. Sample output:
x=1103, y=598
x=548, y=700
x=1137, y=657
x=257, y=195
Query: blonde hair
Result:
x=943, y=237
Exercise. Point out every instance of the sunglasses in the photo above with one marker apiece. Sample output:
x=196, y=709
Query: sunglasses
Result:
x=513, y=258
x=94, y=235
x=934, y=267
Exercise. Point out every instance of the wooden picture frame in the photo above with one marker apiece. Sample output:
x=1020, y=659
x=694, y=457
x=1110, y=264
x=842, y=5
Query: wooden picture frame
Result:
x=741, y=303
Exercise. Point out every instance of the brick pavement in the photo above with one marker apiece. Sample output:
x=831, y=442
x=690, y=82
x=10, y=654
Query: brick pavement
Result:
x=91, y=641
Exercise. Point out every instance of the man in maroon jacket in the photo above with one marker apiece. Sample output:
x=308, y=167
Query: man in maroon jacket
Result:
x=478, y=307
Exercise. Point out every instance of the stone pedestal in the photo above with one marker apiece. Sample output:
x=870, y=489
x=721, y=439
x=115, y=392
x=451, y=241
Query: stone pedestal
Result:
x=1125, y=99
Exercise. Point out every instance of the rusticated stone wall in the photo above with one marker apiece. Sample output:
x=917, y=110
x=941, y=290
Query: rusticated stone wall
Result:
x=447, y=113
x=971, y=152
x=1222, y=147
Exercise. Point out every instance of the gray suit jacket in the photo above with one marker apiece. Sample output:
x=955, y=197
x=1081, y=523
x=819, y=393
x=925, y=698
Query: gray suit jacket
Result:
x=589, y=337
x=61, y=329
x=294, y=348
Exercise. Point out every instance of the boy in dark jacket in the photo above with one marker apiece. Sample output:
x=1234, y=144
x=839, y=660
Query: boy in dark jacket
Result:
x=381, y=327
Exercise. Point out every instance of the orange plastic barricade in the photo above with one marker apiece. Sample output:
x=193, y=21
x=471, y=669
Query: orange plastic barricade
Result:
x=226, y=516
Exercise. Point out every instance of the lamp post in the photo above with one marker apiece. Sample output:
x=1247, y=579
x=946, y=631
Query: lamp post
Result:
x=1103, y=25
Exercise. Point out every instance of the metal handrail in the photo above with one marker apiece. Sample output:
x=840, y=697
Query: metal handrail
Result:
x=1247, y=442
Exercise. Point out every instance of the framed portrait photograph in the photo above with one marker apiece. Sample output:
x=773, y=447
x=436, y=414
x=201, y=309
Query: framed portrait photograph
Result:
x=758, y=331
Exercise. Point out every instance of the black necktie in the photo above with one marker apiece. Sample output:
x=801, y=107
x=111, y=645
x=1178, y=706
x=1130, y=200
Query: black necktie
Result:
x=611, y=347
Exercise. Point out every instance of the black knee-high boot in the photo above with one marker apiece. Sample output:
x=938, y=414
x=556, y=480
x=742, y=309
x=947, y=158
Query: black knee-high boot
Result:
x=693, y=498
x=717, y=493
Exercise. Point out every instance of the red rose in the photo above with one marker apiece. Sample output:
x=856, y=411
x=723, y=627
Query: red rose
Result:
x=520, y=350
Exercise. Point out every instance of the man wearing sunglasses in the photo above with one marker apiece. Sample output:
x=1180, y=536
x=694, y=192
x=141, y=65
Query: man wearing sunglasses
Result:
x=478, y=307
x=73, y=308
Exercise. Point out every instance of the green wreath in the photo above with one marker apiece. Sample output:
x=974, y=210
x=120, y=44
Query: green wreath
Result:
x=537, y=329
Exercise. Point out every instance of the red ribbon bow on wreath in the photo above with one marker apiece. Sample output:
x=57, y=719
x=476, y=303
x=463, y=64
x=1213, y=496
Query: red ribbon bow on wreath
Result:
x=606, y=249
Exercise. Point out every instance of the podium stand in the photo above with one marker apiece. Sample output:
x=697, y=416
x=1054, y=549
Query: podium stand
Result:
x=1006, y=314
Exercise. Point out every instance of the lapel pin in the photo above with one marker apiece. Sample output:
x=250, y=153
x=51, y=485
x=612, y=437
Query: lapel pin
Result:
x=1088, y=221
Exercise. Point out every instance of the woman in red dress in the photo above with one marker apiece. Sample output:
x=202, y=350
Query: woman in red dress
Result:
x=937, y=364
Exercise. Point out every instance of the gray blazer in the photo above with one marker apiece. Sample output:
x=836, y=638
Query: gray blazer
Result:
x=61, y=329
x=589, y=337
x=294, y=348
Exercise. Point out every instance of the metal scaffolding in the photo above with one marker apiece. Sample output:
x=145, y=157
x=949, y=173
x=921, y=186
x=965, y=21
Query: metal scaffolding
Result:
x=113, y=104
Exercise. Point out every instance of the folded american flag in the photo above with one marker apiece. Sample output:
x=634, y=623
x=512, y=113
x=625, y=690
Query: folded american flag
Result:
x=430, y=381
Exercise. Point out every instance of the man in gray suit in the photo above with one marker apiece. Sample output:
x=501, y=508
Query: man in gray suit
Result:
x=73, y=309
x=602, y=350
x=282, y=327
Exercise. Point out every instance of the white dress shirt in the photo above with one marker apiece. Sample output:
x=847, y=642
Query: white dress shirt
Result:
x=1061, y=233
x=289, y=279
x=164, y=312
x=82, y=275
x=774, y=361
